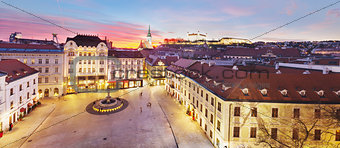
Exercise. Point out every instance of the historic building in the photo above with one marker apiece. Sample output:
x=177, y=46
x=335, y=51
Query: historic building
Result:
x=156, y=68
x=85, y=63
x=47, y=59
x=126, y=68
x=18, y=91
x=249, y=106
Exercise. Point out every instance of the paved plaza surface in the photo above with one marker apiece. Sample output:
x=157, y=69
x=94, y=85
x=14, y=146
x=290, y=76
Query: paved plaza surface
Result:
x=64, y=122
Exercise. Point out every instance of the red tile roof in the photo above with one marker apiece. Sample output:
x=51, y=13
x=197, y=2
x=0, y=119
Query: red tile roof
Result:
x=274, y=83
x=125, y=54
x=289, y=52
x=15, y=69
x=27, y=46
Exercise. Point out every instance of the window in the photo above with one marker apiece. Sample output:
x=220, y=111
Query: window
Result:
x=70, y=70
x=56, y=70
x=211, y=118
x=274, y=133
x=89, y=70
x=254, y=112
x=33, y=81
x=33, y=61
x=39, y=80
x=40, y=61
x=296, y=112
x=46, y=79
x=275, y=112
x=20, y=87
x=102, y=62
x=46, y=70
x=189, y=84
x=89, y=62
x=11, y=92
x=93, y=70
x=207, y=97
x=201, y=107
x=56, y=61
x=338, y=113
x=206, y=113
x=20, y=100
x=40, y=69
x=93, y=62
x=317, y=113
x=56, y=79
x=201, y=93
x=236, y=131
x=80, y=62
x=205, y=127
x=71, y=53
x=12, y=105
x=28, y=95
x=210, y=134
x=28, y=84
x=237, y=111
x=212, y=101
x=89, y=54
x=295, y=133
x=33, y=92
x=101, y=70
x=218, y=125
x=25, y=61
x=70, y=62
x=253, y=132
x=80, y=54
x=317, y=134
x=47, y=61
x=337, y=135
x=219, y=106
x=80, y=70
x=84, y=53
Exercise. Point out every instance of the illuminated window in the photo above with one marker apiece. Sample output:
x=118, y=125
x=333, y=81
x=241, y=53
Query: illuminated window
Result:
x=296, y=113
x=253, y=132
x=254, y=112
x=274, y=133
x=337, y=135
x=218, y=125
x=275, y=112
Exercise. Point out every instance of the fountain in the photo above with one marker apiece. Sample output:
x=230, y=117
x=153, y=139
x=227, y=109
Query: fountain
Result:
x=107, y=105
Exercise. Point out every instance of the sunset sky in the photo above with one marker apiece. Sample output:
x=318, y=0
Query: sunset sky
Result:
x=125, y=22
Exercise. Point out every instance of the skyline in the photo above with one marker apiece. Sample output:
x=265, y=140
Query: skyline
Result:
x=126, y=23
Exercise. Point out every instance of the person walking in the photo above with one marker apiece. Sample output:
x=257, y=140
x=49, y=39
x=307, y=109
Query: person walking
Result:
x=141, y=109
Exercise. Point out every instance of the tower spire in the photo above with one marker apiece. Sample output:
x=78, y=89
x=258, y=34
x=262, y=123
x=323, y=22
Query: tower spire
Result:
x=149, y=32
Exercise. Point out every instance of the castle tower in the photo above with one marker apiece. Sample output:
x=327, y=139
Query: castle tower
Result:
x=149, y=38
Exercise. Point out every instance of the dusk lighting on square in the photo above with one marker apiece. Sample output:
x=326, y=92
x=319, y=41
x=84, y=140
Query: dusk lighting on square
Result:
x=169, y=74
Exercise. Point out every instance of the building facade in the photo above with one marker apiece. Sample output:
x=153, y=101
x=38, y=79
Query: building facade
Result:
x=156, y=68
x=85, y=63
x=126, y=69
x=18, y=91
x=47, y=59
x=251, y=111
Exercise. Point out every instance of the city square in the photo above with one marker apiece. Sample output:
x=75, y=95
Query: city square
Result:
x=65, y=123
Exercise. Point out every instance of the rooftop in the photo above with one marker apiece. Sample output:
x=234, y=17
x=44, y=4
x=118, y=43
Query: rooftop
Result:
x=15, y=69
x=28, y=48
x=86, y=40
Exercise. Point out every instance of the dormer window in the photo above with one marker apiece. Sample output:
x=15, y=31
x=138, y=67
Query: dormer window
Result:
x=264, y=92
x=207, y=79
x=215, y=83
x=284, y=92
x=321, y=93
x=224, y=88
x=245, y=91
x=302, y=93
x=337, y=93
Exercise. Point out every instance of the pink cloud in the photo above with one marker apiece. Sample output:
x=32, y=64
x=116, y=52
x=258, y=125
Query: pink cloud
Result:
x=237, y=11
x=335, y=12
x=291, y=8
x=119, y=32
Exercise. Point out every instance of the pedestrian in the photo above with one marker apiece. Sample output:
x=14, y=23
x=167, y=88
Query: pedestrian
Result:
x=141, y=109
x=141, y=94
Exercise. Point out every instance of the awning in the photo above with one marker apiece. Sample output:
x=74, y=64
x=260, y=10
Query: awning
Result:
x=29, y=104
x=22, y=109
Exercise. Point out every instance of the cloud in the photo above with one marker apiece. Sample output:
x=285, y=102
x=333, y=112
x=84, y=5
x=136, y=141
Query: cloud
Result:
x=334, y=12
x=291, y=8
x=237, y=11
x=123, y=34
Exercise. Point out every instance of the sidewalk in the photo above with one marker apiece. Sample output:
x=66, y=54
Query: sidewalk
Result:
x=22, y=129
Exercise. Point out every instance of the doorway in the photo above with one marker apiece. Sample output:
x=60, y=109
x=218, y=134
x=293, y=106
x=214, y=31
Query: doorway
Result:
x=46, y=93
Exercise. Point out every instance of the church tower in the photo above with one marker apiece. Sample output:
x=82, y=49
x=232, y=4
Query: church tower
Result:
x=149, y=38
